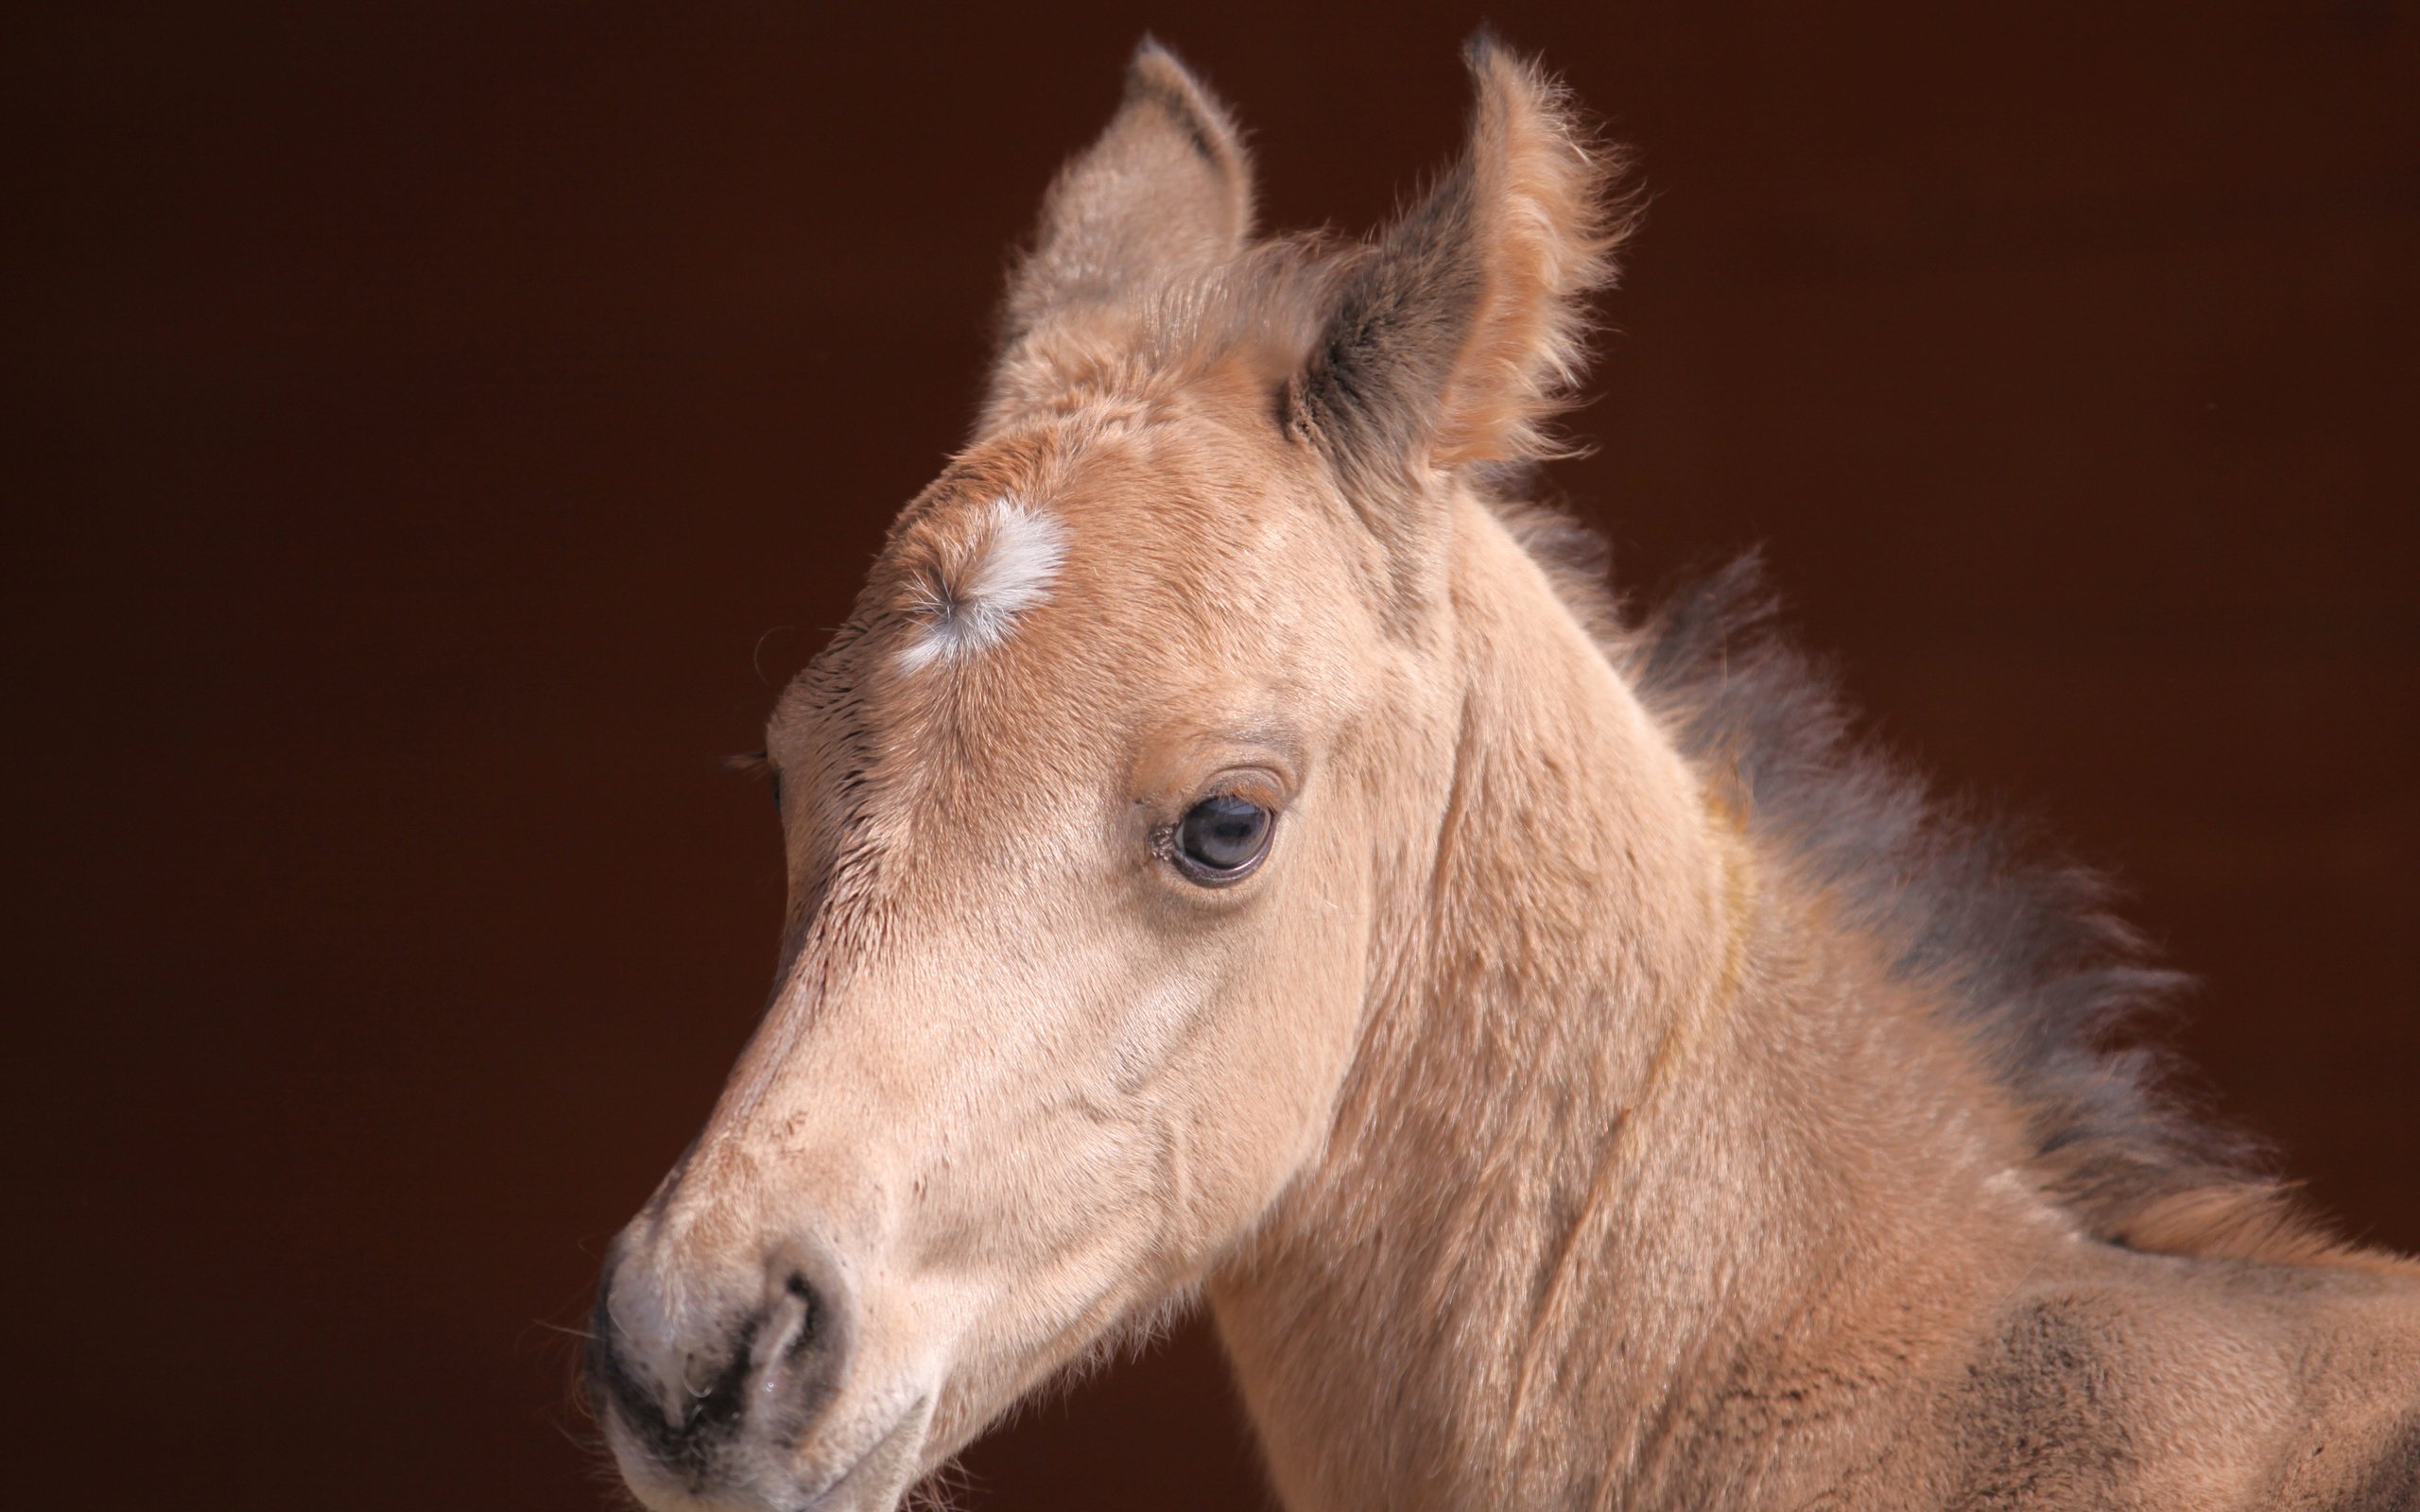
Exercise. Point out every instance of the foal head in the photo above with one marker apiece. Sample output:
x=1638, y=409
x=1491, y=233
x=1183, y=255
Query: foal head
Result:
x=1101, y=807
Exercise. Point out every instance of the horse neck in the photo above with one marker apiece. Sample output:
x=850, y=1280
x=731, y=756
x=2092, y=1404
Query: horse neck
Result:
x=1610, y=1127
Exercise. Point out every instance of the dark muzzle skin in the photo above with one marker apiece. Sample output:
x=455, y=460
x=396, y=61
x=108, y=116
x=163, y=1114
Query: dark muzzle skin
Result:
x=702, y=1395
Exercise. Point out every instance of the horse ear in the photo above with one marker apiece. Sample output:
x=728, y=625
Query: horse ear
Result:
x=1164, y=193
x=1458, y=335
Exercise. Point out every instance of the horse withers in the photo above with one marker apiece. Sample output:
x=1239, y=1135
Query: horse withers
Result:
x=1233, y=853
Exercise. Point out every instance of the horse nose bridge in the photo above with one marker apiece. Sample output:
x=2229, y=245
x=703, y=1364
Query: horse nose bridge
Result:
x=750, y=1136
x=820, y=1031
x=829, y=1076
x=781, y=1157
x=761, y=1165
x=795, y=1159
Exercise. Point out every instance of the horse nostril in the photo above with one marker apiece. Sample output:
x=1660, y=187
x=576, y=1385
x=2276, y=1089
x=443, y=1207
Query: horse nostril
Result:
x=801, y=1342
x=811, y=1320
x=805, y=1342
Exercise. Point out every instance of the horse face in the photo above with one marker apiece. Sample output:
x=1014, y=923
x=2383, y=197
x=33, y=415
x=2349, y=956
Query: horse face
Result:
x=1104, y=812
x=1079, y=811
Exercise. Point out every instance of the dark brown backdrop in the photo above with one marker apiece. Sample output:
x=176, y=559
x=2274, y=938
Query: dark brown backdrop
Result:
x=434, y=431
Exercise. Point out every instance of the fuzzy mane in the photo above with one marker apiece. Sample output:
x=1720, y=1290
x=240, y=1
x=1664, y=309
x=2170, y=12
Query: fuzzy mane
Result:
x=2013, y=943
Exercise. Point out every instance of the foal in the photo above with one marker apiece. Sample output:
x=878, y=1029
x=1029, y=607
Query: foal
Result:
x=1231, y=854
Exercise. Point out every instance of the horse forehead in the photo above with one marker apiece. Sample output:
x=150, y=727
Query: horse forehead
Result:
x=1130, y=523
x=1050, y=585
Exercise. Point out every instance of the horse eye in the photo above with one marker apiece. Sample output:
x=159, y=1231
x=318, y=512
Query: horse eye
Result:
x=1221, y=839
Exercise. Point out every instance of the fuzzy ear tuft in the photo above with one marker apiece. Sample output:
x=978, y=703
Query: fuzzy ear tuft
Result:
x=1461, y=333
x=1165, y=193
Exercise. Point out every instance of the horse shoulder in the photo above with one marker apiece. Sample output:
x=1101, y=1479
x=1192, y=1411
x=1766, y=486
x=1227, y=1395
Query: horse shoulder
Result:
x=2358, y=1445
x=2125, y=1380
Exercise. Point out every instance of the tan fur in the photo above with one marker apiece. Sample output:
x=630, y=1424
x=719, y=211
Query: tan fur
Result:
x=1549, y=243
x=1541, y=1132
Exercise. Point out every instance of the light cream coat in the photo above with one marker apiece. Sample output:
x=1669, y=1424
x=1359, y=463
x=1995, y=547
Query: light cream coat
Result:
x=1575, y=1109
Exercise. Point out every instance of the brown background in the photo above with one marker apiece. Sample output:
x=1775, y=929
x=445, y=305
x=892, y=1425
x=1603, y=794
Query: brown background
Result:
x=434, y=431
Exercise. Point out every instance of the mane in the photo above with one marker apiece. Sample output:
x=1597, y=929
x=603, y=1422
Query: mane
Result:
x=2013, y=943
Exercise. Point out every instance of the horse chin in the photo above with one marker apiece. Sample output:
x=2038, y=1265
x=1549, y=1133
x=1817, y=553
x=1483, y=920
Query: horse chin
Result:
x=881, y=1476
x=872, y=1475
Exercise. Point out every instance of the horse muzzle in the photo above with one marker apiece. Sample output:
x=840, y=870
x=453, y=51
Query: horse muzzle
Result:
x=745, y=1391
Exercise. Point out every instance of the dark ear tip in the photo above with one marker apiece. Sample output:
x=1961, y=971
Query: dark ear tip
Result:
x=1499, y=66
x=1155, y=71
x=1157, y=77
